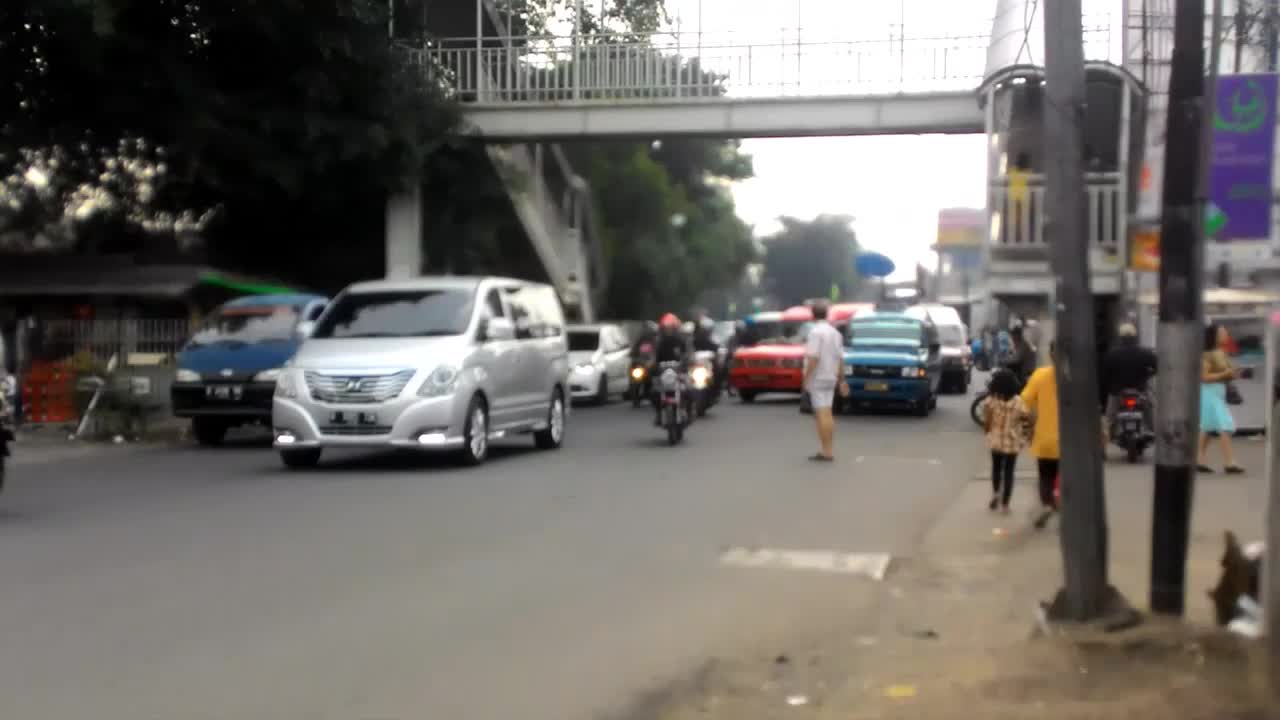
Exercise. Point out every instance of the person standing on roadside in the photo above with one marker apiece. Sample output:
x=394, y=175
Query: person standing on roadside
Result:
x=1216, y=372
x=824, y=357
x=1041, y=398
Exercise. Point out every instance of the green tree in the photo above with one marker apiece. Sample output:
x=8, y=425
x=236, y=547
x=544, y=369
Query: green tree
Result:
x=805, y=258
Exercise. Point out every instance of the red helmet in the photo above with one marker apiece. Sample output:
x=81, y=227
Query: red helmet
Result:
x=669, y=321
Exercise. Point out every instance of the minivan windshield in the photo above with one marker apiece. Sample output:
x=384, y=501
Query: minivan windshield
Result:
x=397, y=313
x=583, y=341
x=247, y=324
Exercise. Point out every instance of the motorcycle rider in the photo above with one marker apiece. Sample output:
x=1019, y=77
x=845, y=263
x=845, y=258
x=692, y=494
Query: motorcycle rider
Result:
x=8, y=389
x=1022, y=355
x=672, y=346
x=1128, y=366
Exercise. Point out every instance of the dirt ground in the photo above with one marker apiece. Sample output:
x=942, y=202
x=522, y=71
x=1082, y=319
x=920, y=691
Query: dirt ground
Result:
x=957, y=635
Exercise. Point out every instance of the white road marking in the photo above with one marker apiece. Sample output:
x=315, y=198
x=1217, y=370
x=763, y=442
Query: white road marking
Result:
x=895, y=458
x=872, y=565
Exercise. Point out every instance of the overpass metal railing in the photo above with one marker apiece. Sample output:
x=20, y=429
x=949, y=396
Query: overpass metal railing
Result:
x=675, y=66
x=1018, y=215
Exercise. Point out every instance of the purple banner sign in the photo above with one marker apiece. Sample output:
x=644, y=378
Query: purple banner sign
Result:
x=1243, y=150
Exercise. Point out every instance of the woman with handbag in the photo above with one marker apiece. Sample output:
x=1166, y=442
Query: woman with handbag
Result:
x=1216, y=374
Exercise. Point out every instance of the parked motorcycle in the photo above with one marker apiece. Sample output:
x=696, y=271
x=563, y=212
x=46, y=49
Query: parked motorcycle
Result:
x=705, y=381
x=673, y=398
x=1129, y=430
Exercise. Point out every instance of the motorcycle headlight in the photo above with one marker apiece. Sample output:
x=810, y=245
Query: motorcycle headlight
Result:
x=266, y=376
x=637, y=373
x=440, y=382
x=700, y=376
x=186, y=376
x=286, y=387
x=669, y=379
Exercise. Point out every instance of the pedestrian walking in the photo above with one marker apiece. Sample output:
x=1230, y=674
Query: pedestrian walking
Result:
x=824, y=357
x=1041, y=398
x=1004, y=417
x=1216, y=374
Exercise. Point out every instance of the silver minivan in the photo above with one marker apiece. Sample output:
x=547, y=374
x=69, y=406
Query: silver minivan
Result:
x=439, y=363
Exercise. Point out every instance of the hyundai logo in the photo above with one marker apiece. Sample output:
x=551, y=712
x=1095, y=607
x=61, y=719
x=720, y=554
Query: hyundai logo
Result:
x=355, y=385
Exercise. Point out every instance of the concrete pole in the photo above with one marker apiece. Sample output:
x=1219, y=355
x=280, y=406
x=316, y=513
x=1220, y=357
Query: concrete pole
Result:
x=404, y=234
x=1270, y=599
x=1084, y=528
x=1180, y=337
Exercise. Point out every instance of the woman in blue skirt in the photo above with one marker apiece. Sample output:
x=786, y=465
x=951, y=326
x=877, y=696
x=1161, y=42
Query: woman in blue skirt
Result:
x=1215, y=415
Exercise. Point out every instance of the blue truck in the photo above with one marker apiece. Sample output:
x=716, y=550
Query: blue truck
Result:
x=892, y=360
x=227, y=371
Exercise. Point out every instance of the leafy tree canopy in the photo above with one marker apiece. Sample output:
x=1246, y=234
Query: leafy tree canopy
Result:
x=805, y=258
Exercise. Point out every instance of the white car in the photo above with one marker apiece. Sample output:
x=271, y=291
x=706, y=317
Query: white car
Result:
x=599, y=358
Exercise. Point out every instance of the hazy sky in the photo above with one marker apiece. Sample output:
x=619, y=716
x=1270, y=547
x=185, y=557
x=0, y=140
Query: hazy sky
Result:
x=893, y=186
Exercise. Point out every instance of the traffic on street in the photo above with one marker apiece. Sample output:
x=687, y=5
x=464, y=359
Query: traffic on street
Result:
x=211, y=582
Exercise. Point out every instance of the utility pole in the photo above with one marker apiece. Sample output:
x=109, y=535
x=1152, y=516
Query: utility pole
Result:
x=1180, y=335
x=1084, y=517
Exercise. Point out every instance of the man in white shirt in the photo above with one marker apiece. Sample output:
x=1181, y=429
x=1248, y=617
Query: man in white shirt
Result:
x=824, y=360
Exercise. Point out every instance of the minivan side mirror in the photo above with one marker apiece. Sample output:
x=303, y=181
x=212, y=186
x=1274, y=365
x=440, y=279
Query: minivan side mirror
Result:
x=304, y=329
x=499, y=329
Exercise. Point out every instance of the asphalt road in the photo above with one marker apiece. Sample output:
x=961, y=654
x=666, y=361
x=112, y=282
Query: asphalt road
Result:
x=186, y=583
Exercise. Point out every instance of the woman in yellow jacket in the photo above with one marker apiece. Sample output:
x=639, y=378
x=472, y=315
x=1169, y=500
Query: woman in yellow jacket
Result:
x=1041, y=398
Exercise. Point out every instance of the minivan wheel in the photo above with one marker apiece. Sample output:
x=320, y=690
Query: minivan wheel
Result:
x=208, y=431
x=602, y=392
x=300, y=459
x=475, y=433
x=552, y=436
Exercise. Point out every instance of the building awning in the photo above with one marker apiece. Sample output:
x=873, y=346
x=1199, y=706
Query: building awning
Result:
x=63, y=276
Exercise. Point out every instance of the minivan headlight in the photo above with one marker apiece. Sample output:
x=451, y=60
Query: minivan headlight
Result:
x=440, y=382
x=186, y=376
x=267, y=376
x=286, y=385
x=913, y=372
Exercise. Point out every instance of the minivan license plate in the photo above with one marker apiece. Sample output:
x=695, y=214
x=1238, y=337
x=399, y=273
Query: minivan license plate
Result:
x=361, y=418
x=877, y=387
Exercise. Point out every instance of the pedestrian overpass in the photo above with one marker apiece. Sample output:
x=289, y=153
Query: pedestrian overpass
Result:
x=519, y=89
x=523, y=94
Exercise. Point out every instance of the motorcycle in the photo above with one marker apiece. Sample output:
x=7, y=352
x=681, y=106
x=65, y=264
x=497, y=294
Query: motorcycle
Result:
x=1129, y=430
x=705, y=381
x=673, y=399
x=640, y=384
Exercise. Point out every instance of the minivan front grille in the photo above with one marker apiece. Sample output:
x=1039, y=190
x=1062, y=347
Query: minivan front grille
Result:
x=356, y=389
x=355, y=430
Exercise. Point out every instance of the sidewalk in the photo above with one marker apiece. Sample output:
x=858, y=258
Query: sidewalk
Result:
x=956, y=636
x=38, y=445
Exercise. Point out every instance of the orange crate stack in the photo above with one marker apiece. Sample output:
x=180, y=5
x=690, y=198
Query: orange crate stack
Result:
x=48, y=395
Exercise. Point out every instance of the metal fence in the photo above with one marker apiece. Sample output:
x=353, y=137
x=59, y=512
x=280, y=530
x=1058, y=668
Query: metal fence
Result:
x=128, y=340
x=669, y=65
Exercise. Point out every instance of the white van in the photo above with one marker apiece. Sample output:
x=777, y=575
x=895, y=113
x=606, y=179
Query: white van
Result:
x=957, y=356
x=442, y=363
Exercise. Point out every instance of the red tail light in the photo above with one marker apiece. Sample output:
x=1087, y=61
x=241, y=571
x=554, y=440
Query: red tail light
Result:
x=1130, y=403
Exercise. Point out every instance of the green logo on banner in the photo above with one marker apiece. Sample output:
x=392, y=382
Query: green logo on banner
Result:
x=1214, y=220
x=1248, y=110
